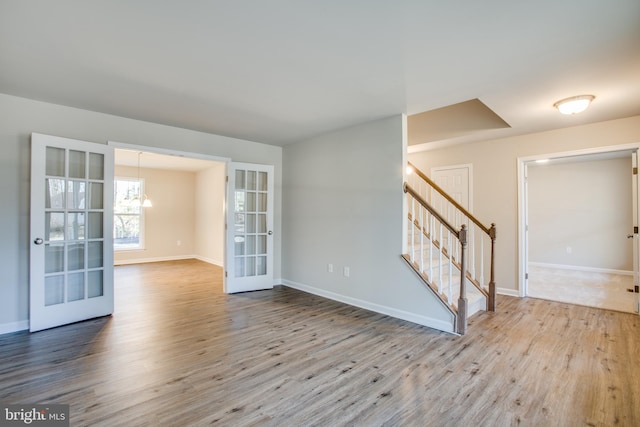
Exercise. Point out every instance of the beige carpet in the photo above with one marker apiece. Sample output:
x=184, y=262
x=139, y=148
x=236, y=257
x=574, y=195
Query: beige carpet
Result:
x=587, y=288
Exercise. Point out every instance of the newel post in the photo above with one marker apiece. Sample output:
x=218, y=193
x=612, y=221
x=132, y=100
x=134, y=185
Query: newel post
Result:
x=492, y=283
x=461, y=321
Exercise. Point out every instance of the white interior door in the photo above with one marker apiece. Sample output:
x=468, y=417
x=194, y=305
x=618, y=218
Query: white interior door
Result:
x=249, y=228
x=636, y=223
x=71, y=256
x=456, y=181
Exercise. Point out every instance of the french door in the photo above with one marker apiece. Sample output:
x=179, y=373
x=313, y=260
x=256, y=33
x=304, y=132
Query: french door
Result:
x=71, y=251
x=249, y=228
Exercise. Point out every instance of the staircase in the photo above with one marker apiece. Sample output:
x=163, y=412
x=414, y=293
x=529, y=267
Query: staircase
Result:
x=444, y=240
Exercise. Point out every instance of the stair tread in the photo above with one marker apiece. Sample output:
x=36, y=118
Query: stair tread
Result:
x=476, y=300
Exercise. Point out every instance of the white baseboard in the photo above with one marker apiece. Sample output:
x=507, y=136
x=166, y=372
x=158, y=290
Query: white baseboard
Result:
x=507, y=291
x=158, y=259
x=7, y=328
x=168, y=258
x=209, y=260
x=581, y=268
x=377, y=308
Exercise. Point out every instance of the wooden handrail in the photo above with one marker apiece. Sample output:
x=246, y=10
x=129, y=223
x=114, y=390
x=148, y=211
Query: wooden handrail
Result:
x=427, y=206
x=453, y=201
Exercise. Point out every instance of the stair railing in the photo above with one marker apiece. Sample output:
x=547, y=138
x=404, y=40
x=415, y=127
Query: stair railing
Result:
x=480, y=239
x=431, y=232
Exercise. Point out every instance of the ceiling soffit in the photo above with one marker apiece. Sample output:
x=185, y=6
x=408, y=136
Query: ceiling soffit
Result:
x=453, y=121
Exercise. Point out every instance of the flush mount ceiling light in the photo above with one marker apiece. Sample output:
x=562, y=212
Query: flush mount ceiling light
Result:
x=574, y=105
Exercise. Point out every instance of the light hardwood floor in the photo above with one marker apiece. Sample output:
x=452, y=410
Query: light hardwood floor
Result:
x=179, y=352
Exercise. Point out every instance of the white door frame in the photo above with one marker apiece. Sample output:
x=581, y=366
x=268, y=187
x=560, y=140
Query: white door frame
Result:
x=522, y=200
x=189, y=155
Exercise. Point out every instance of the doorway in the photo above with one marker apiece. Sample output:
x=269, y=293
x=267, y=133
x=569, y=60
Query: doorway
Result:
x=575, y=212
x=186, y=219
x=239, y=223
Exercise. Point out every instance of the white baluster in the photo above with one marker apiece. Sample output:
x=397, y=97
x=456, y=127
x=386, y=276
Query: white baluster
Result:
x=450, y=296
x=440, y=259
x=422, y=210
x=431, y=226
x=413, y=232
x=482, y=282
x=472, y=259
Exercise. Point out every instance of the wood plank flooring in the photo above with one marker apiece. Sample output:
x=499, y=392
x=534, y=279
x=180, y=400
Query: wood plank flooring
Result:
x=178, y=352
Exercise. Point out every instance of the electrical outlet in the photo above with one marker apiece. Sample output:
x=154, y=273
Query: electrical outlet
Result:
x=330, y=268
x=569, y=249
x=346, y=272
x=179, y=243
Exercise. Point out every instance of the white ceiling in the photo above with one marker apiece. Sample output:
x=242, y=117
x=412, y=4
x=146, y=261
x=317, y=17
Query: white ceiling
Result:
x=282, y=71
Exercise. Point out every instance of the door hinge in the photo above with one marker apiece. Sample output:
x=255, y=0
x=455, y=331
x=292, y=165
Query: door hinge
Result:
x=635, y=171
x=225, y=274
x=635, y=230
x=227, y=178
x=526, y=276
x=636, y=289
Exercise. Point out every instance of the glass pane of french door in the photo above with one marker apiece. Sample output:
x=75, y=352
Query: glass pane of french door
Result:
x=251, y=194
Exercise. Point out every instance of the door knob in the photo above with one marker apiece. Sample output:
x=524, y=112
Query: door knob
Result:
x=38, y=241
x=629, y=236
x=270, y=232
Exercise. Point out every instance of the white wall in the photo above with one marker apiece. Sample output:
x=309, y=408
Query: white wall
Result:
x=584, y=206
x=20, y=117
x=209, y=215
x=343, y=204
x=495, y=182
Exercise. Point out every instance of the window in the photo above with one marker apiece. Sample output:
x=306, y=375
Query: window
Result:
x=127, y=214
